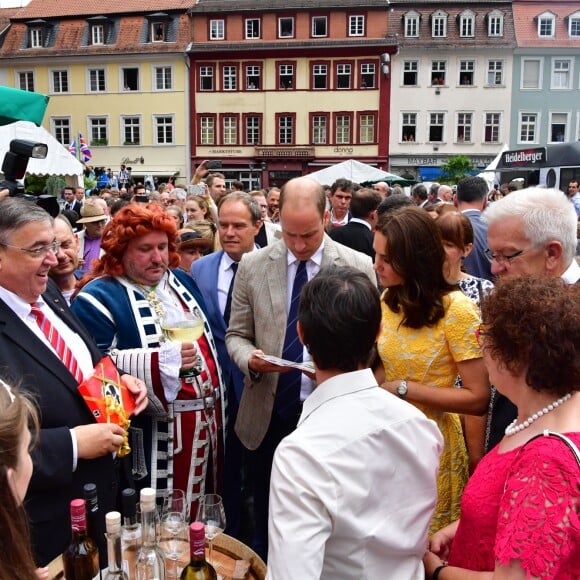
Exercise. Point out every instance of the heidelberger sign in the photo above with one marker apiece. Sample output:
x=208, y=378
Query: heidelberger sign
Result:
x=524, y=157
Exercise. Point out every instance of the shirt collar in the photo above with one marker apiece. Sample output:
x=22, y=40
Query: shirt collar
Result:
x=572, y=274
x=316, y=257
x=19, y=306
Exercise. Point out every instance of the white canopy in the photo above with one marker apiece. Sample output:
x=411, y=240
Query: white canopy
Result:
x=355, y=171
x=58, y=160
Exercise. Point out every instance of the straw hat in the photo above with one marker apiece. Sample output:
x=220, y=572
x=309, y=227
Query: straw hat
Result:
x=192, y=239
x=91, y=213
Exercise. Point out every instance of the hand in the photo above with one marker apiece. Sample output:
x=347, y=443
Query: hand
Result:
x=98, y=439
x=200, y=172
x=431, y=561
x=4, y=193
x=261, y=366
x=276, y=215
x=188, y=356
x=440, y=542
x=139, y=391
x=390, y=386
x=42, y=573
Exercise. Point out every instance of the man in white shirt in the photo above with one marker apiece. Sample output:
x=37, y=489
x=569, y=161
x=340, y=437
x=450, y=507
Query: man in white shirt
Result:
x=353, y=488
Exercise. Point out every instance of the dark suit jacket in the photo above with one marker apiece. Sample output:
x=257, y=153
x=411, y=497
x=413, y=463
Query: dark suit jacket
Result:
x=356, y=236
x=53, y=485
x=205, y=272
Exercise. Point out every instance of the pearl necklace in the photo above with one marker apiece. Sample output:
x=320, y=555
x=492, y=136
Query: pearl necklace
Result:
x=512, y=428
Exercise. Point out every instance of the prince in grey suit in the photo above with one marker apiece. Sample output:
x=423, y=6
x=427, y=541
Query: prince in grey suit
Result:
x=261, y=301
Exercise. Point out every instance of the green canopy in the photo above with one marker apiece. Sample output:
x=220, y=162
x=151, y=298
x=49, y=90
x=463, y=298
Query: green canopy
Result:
x=17, y=105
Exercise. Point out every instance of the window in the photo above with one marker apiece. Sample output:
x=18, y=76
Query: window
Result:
x=356, y=25
x=252, y=129
x=342, y=128
x=436, y=126
x=163, y=76
x=366, y=128
x=439, y=24
x=411, y=73
x=319, y=26
x=36, y=38
x=467, y=24
x=438, y=72
x=217, y=29
x=253, y=77
x=97, y=34
x=319, y=128
x=546, y=25
x=286, y=27
x=343, y=75
x=285, y=76
x=409, y=127
x=207, y=130
x=466, y=73
x=252, y=28
x=158, y=31
x=206, y=74
x=98, y=131
x=495, y=24
x=61, y=130
x=561, y=73
x=574, y=25
x=367, y=75
x=492, y=127
x=131, y=127
x=229, y=129
x=531, y=73
x=97, y=80
x=464, y=126
x=285, y=123
x=558, y=127
x=26, y=80
x=59, y=80
x=229, y=78
x=411, y=24
x=494, y=72
x=130, y=79
x=319, y=76
x=164, y=131
x=528, y=127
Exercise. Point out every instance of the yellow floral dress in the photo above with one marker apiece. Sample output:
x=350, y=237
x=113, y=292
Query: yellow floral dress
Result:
x=429, y=356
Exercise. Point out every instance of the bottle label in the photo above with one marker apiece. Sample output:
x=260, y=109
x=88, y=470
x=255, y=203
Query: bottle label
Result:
x=78, y=522
x=198, y=548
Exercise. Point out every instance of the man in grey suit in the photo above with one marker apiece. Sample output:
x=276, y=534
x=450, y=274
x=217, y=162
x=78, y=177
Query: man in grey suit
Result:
x=263, y=297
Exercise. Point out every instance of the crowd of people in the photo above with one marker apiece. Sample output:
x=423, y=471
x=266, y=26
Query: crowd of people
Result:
x=392, y=377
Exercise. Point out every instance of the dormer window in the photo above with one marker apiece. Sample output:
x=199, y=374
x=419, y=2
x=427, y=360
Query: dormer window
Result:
x=495, y=23
x=97, y=34
x=546, y=25
x=37, y=33
x=411, y=22
x=467, y=24
x=157, y=31
x=36, y=37
x=100, y=31
x=439, y=24
x=158, y=24
x=574, y=25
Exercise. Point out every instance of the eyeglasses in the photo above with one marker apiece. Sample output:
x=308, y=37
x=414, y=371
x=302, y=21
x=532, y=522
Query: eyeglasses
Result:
x=480, y=335
x=40, y=252
x=501, y=258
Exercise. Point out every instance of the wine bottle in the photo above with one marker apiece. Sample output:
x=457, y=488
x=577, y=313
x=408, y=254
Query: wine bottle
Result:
x=81, y=557
x=94, y=524
x=150, y=558
x=114, y=569
x=130, y=533
x=198, y=568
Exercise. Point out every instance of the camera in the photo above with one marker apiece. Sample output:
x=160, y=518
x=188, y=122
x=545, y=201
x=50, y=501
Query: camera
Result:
x=14, y=168
x=214, y=164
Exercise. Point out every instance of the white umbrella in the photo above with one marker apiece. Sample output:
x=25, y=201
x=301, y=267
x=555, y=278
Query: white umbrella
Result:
x=355, y=171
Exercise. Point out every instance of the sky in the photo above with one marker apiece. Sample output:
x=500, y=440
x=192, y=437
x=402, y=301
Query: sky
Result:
x=13, y=3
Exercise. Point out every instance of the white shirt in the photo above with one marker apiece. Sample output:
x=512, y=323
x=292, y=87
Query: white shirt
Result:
x=572, y=274
x=313, y=266
x=225, y=275
x=354, y=487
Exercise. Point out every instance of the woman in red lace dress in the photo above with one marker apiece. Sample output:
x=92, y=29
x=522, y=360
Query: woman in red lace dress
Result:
x=520, y=511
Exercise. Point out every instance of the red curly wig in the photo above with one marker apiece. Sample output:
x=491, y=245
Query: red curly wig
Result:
x=133, y=221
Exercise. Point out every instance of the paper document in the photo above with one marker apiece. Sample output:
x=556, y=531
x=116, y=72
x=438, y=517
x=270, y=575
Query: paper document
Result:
x=307, y=366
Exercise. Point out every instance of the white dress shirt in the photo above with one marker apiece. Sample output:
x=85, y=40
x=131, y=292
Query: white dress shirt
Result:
x=354, y=487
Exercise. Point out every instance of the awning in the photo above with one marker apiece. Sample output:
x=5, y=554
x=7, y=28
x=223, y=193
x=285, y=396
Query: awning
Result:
x=430, y=173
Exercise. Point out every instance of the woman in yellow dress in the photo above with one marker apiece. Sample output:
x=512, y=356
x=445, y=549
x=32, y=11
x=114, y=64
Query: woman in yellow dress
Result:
x=427, y=338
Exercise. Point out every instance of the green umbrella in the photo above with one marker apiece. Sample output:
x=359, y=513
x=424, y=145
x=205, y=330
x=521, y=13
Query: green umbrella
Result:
x=17, y=105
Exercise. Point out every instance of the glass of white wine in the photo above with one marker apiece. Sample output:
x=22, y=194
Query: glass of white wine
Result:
x=177, y=327
x=211, y=512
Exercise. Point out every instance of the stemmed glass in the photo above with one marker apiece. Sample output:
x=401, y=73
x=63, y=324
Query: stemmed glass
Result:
x=211, y=512
x=179, y=328
x=176, y=502
x=174, y=539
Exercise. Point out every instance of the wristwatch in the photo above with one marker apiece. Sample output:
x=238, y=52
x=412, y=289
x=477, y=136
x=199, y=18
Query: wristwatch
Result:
x=402, y=389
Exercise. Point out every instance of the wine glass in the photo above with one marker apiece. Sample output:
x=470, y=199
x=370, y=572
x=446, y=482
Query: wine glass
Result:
x=178, y=326
x=176, y=502
x=211, y=512
x=174, y=539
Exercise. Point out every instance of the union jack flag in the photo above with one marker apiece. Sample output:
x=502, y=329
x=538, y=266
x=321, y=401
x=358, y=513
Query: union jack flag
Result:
x=85, y=151
x=72, y=148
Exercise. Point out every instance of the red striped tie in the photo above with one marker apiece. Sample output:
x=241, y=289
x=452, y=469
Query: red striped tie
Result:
x=63, y=352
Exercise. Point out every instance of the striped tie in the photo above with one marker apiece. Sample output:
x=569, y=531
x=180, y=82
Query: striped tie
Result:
x=63, y=352
x=287, y=401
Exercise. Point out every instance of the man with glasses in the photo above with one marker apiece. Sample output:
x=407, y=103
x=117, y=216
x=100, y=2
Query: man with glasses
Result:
x=38, y=333
x=531, y=232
